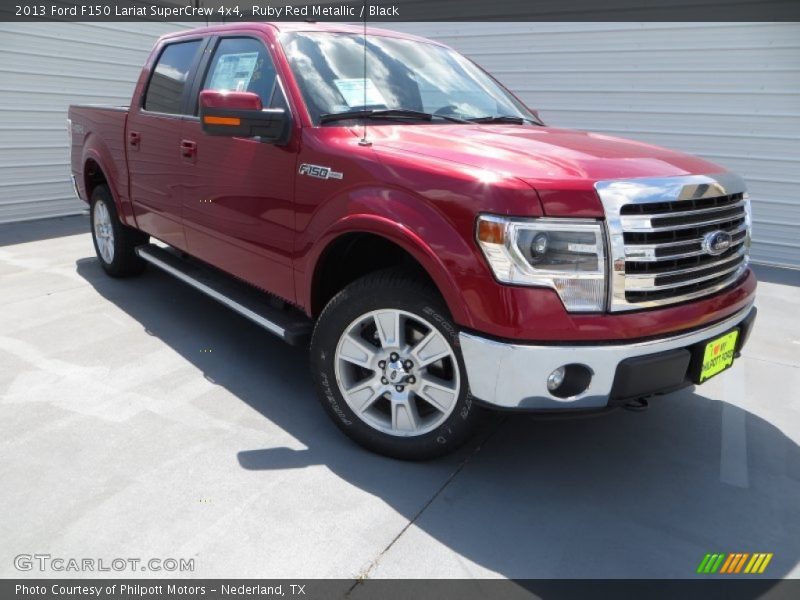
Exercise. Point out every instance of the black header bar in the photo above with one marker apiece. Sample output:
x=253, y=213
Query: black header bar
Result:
x=215, y=11
x=722, y=588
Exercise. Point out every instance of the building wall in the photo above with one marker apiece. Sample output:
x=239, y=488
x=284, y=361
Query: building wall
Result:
x=729, y=92
x=45, y=67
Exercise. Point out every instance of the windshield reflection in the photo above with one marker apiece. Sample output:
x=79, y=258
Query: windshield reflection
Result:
x=400, y=74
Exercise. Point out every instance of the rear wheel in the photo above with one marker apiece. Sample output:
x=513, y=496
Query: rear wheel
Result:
x=389, y=370
x=114, y=242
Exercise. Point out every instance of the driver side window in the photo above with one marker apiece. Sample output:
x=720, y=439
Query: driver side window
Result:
x=244, y=65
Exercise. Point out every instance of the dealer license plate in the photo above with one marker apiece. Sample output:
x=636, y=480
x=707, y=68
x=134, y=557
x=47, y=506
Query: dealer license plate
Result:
x=718, y=355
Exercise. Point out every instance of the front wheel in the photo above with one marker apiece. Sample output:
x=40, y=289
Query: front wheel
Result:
x=388, y=367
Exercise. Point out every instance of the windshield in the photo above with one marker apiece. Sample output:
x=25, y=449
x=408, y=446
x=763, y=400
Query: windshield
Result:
x=401, y=74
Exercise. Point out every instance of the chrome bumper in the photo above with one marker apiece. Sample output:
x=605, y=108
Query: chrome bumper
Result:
x=515, y=375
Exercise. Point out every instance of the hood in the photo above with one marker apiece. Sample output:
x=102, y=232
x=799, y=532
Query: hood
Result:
x=551, y=160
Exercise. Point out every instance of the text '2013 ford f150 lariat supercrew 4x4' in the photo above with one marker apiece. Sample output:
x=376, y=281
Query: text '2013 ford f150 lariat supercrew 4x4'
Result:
x=389, y=201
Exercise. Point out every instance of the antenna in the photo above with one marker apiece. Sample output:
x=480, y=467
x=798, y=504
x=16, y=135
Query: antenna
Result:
x=364, y=141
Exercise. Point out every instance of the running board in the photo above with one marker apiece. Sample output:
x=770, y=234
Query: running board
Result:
x=287, y=323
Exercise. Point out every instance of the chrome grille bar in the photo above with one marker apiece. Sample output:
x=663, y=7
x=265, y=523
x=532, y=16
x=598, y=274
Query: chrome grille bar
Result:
x=644, y=255
x=647, y=252
x=645, y=224
x=649, y=281
x=673, y=239
x=686, y=213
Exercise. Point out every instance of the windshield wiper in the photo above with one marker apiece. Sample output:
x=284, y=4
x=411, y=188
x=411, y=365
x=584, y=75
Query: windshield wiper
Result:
x=502, y=119
x=388, y=113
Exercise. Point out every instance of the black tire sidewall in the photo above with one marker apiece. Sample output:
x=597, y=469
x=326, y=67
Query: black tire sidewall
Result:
x=388, y=291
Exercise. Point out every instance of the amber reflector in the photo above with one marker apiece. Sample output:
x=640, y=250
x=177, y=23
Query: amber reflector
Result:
x=222, y=120
x=491, y=232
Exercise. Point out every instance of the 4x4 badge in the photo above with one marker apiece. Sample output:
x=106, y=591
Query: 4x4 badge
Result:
x=319, y=172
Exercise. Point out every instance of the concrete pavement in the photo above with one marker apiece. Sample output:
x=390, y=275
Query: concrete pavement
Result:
x=139, y=418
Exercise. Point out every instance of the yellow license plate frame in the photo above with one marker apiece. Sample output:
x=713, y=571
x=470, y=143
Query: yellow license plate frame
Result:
x=718, y=355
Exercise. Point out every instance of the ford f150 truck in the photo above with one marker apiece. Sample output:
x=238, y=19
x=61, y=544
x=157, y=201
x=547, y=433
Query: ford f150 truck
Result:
x=385, y=200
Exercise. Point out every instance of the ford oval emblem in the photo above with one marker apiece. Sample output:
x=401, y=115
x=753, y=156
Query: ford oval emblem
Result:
x=716, y=242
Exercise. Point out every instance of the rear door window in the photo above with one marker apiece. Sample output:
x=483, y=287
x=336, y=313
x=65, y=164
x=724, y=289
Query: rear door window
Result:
x=168, y=82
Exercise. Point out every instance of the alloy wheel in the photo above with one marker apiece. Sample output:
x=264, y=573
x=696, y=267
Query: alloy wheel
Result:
x=397, y=372
x=103, y=232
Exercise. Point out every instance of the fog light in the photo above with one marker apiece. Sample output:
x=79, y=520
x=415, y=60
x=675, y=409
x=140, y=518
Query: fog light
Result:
x=555, y=379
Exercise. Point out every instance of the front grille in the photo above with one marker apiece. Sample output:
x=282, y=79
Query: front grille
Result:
x=660, y=233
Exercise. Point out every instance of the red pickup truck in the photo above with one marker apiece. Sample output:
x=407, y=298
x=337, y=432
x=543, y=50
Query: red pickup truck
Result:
x=387, y=201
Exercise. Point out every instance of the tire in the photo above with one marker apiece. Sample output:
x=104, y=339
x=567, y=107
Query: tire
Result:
x=114, y=243
x=356, y=366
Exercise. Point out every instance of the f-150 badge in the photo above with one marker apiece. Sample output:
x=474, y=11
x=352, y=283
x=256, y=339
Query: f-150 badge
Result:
x=319, y=172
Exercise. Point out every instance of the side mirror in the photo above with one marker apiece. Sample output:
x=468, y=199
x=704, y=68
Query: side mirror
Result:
x=240, y=114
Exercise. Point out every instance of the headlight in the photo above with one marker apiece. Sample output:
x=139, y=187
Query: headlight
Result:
x=564, y=254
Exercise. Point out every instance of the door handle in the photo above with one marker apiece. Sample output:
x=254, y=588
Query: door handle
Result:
x=134, y=138
x=188, y=148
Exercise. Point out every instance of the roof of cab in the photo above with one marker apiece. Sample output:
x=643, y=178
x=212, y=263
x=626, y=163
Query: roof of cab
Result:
x=291, y=26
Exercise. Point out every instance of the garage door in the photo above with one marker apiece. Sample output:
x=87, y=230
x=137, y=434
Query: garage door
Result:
x=45, y=68
x=727, y=92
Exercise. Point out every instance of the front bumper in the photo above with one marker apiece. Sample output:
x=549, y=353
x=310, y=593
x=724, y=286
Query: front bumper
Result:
x=514, y=376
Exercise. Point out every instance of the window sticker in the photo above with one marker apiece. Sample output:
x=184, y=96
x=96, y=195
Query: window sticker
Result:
x=234, y=71
x=354, y=90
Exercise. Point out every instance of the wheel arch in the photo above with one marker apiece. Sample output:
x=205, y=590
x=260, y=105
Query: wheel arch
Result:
x=93, y=176
x=368, y=244
x=100, y=168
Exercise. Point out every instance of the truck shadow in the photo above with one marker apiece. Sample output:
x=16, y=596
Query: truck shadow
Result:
x=44, y=229
x=615, y=495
